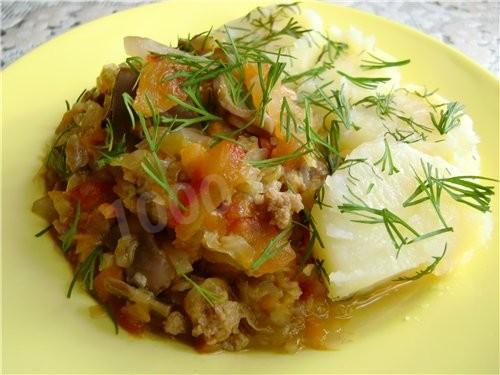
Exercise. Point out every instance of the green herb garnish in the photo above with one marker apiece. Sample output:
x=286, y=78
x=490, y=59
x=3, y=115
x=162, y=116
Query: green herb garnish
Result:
x=462, y=189
x=278, y=160
x=69, y=236
x=210, y=296
x=86, y=271
x=274, y=246
x=449, y=118
x=332, y=49
x=427, y=271
x=378, y=63
x=395, y=225
x=383, y=104
x=369, y=83
x=43, y=231
x=386, y=160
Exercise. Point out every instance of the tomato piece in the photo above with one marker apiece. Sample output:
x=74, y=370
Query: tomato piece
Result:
x=92, y=193
x=156, y=84
x=129, y=324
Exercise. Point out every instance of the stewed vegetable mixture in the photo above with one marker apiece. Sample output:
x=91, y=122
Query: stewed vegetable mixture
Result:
x=181, y=186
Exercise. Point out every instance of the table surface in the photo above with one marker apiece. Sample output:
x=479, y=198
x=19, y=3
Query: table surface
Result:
x=471, y=26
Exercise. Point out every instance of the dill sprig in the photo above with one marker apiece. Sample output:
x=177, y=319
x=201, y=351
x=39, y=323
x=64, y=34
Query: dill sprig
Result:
x=69, y=236
x=449, y=118
x=187, y=44
x=152, y=165
x=320, y=198
x=274, y=246
x=463, y=189
x=413, y=124
x=309, y=74
x=320, y=269
x=287, y=119
x=369, y=83
x=405, y=135
x=56, y=159
x=332, y=49
x=427, y=271
x=197, y=107
x=386, y=160
x=86, y=271
x=348, y=163
x=292, y=29
x=383, y=104
x=395, y=226
x=378, y=63
x=208, y=295
x=336, y=103
x=278, y=160
x=129, y=105
x=112, y=149
x=43, y=231
x=267, y=83
x=136, y=63
x=326, y=148
x=315, y=237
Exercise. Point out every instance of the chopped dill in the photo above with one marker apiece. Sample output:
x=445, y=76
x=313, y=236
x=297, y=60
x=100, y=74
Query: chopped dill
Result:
x=378, y=63
x=69, y=236
x=386, y=160
x=267, y=83
x=306, y=75
x=112, y=149
x=383, y=104
x=43, y=231
x=278, y=160
x=369, y=83
x=449, y=118
x=136, y=63
x=274, y=246
x=395, y=226
x=332, y=49
x=86, y=271
x=208, y=295
x=463, y=189
x=427, y=271
x=287, y=119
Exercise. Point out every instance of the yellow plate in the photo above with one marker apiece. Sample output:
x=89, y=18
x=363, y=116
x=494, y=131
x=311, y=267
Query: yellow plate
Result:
x=451, y=327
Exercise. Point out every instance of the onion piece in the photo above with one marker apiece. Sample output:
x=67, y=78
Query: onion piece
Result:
x=44, y=207
x=225, y=100
x=138, y=46
x=122, y=289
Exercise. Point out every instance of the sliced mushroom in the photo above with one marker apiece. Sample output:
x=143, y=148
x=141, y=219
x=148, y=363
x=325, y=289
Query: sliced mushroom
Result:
x=120, y=118
x=137, y=46
x=153, y=263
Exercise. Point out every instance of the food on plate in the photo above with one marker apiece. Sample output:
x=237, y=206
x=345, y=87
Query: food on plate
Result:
x=231, y=190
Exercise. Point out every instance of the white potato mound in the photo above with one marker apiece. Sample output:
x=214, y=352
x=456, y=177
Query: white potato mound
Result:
x=349, y=61
x=304, y=50
x=458, y=146
x=360, y=256
x=385, y=118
